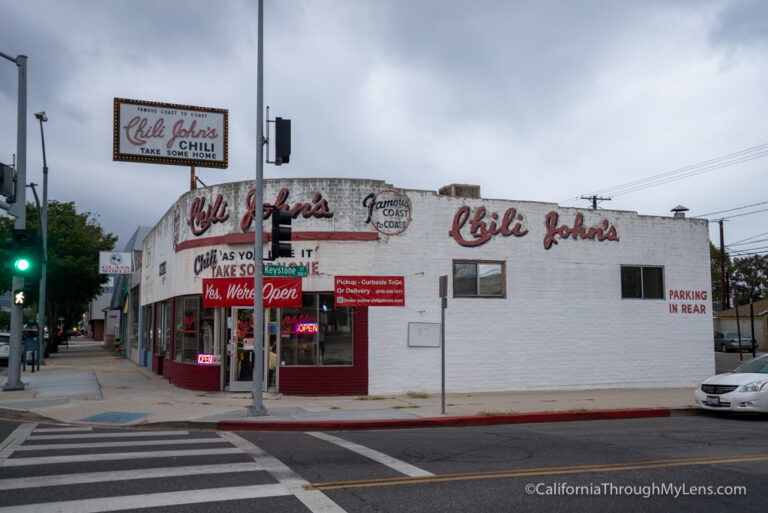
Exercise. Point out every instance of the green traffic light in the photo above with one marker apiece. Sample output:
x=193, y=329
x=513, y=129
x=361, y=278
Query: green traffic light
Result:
x=22, y=264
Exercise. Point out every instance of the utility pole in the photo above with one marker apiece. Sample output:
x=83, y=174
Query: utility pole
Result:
x=594, y=200
x=724, y=282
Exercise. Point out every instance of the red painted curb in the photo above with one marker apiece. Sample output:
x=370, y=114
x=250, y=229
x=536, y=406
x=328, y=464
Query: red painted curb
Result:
x=434, y=422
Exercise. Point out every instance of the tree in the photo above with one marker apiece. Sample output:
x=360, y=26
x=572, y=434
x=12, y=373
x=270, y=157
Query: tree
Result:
x=715, y=265
x=74, y=242
x=750, y=278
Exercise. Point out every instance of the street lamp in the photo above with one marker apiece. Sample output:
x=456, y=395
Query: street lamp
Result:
x=18, y=210
x=44, y=233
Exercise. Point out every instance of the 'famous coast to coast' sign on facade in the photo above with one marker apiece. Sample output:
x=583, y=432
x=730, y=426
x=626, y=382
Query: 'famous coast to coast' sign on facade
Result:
x=165, y=133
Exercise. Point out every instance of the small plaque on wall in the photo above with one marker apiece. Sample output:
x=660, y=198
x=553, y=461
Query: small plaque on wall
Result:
x=424, y=334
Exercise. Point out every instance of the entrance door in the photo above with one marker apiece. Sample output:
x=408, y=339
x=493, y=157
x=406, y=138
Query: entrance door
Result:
x=241, y=357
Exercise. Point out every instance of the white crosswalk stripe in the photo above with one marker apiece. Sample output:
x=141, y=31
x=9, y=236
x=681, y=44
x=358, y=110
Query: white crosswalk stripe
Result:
x=135, y=434
x=105, y=445
x=119, y=475
x=112, y=447
x=113, y=456
x=153, y=500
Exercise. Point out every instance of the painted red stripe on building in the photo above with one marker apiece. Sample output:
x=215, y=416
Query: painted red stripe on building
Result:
x=245, y=238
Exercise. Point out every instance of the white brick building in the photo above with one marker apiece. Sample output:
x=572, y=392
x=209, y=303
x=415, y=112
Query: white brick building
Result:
x=565, y=298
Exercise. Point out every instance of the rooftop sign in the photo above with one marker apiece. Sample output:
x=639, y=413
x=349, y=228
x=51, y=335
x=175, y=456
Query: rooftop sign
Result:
x=165, y=133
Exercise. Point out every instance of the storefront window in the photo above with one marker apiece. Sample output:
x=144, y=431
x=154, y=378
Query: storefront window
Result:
x=148, y=328
x=194, y=330
x=134, y=316
x=318, y=333
x=163, y=327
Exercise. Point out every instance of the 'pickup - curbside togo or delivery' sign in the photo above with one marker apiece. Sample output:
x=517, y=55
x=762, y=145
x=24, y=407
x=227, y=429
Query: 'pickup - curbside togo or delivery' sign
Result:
x=370, y=291
x=166, y=133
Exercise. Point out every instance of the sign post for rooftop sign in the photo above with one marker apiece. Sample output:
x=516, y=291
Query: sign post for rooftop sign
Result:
x=167, y=133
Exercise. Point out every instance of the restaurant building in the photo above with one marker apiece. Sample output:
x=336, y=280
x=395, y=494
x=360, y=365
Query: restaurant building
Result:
x=539, y=296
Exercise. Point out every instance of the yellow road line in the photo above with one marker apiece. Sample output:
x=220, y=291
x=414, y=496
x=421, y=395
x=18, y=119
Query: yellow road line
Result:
x=545, y=471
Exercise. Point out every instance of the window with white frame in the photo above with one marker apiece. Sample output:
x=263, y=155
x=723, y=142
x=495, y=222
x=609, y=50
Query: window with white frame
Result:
x=479, y=278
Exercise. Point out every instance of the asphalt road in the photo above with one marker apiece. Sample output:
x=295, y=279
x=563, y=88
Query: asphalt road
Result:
x=726, y=362
x=697, y=463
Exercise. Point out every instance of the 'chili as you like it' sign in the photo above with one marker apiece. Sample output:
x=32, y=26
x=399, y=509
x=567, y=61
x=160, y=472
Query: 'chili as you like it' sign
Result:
x=165, y=133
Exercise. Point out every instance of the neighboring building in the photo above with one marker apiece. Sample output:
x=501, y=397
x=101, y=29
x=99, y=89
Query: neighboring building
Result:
x=726, y=321
x=97, y=310
x=124, y=317
x=539, y=296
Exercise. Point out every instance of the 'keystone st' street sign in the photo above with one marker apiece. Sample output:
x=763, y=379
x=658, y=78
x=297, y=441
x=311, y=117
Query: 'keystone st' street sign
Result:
x=287, y=271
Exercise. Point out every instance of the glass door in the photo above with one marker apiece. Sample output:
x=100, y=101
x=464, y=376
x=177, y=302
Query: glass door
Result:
x=241, y=357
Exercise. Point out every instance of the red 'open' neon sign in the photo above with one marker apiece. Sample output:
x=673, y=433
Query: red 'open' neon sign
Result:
x=307, y=328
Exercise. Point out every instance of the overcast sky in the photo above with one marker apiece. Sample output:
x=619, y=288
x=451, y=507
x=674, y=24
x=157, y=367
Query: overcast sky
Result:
x=532, y=100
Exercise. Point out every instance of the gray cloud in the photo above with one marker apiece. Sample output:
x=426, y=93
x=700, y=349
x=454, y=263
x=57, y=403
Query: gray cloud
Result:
x=539, y=100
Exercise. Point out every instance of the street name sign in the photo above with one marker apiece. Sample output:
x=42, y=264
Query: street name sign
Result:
x=285, y=271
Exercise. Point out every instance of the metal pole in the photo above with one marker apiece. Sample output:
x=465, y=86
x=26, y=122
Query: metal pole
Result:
x=443, y=305
x=752, y=322
x=738, y=325
x=19, y=210
x=44, y=257
x=257, y=408
x=724, y=287
x=443, y=302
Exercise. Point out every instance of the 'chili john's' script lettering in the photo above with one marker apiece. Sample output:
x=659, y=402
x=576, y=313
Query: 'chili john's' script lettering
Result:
x=605, y=231
x=201, y=218
x=471, y=230
x=137, y=132
x=318, y=207
x=482, y=231
x=192, y=132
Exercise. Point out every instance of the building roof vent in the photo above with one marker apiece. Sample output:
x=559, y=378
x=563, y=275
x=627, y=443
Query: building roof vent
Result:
x=457, y=190
x=680, y=211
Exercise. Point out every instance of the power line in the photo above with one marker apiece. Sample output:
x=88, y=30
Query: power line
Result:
x=749, y=238
x=746, y=213
x=731, y=209
x=744, y=243
x=730, y=159
x=754, y=251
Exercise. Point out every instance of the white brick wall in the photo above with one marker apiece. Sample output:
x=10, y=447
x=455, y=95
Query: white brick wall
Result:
x=563, y=323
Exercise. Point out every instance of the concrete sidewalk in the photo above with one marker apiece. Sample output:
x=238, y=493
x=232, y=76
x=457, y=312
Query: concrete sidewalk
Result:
x=88, y=384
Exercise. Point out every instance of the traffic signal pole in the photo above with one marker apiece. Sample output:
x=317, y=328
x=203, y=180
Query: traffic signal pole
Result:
x=19, y=210
x=257, y=387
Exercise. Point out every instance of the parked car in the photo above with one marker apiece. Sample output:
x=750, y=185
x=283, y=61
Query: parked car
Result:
x=729, y=341
x=744, y=389
x=5, y=346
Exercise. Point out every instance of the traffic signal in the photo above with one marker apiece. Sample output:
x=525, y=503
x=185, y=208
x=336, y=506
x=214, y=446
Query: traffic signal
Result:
x=281, y=233
x=25, y=253
x=8, y=182
x=282, y=141
x=19, y=297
